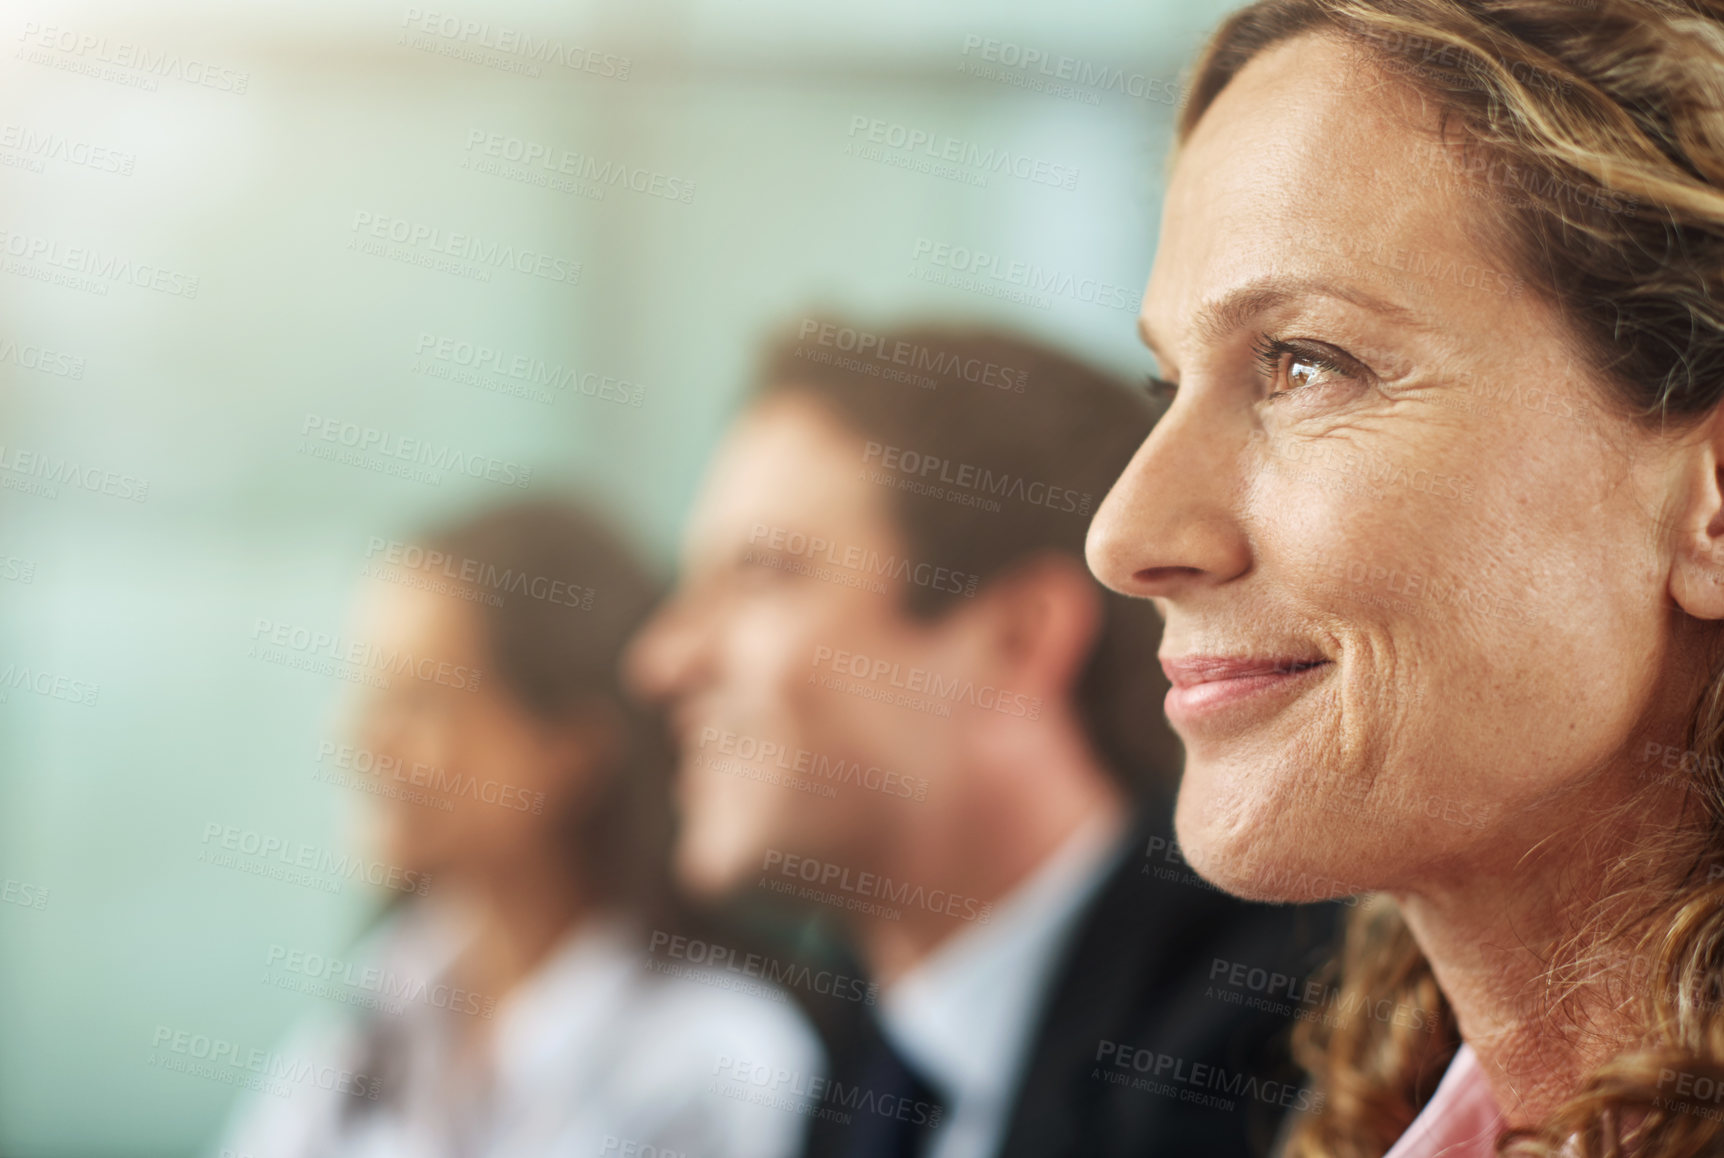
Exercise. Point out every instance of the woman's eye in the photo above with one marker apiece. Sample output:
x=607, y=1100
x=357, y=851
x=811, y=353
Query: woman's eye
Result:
x=1301, y=372
x=1291, y=365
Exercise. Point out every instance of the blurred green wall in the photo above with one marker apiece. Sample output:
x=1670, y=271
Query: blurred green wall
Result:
x=351, y=118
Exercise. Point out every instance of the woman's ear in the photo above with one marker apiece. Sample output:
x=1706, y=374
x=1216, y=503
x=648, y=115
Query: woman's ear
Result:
x=1697, y=513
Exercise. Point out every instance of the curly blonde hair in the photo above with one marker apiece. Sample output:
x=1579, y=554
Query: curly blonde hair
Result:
x=1592, y=133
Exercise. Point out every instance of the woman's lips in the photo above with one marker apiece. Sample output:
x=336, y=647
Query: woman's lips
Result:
x=1204, y=685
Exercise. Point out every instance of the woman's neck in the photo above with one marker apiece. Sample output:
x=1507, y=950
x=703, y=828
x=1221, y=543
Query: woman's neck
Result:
x=1529, y=946
x=518, y=922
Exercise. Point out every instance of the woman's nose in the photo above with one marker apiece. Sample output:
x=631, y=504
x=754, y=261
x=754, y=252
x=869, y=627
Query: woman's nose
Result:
x=1170, y=522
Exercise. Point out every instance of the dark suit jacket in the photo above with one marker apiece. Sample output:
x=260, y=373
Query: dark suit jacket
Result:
x=1193, y=991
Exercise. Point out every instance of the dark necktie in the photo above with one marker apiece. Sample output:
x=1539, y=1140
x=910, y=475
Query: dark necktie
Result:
x=896, y=1110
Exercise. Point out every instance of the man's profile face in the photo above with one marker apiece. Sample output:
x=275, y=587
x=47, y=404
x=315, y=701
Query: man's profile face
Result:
x=779, y=583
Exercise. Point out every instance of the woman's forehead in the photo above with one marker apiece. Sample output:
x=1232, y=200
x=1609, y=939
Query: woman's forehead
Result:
x=1306, y=170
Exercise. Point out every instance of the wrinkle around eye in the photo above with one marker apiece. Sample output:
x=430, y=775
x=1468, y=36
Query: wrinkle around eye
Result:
x=1368, y=442
x=1432, y=401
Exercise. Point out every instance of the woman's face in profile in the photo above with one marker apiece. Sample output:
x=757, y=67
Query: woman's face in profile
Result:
x=469, y=782
x=1413, y=596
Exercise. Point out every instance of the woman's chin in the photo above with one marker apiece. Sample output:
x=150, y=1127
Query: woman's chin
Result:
x=1234, y=871
x=1256, y=854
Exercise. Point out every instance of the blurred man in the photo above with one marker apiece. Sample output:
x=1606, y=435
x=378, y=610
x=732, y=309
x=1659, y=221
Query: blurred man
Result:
x=903, y=701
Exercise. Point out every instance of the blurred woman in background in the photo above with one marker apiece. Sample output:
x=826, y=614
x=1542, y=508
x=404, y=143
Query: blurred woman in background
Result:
x=534, y=796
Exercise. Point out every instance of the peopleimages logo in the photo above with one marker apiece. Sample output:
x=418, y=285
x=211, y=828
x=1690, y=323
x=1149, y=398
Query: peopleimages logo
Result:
x=818, y=1096
x=91, y=269
x=980, y=481
x=875, y=887
x=39, y=472
x=784, y=542
x=553, y=160
x=274, y=851
x=382, y=450
x=805, y=763
x=1693, y=1091
x=479, y=572
x=1306, y=999
x=31, y=896
x=529, y=51
x=1074, y=70
x=911, y=357
x=436, y=778
x=1201, y=1083
x=1367, y=469
x=525, y=370
x=924, y=144
x=38, y=147
x=177, y=1047
x=708, y=955
x=22, y=677
x=984, y=267
x=90, y=49
x=927, y=682
x=434, y=240
x=1173, y=866
x=41, y=359
x=373, y=980
x=360, y=653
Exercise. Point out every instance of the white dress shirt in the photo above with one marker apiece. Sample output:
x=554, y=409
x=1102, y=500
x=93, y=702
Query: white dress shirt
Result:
x=595, y=1055
x=964, y=1015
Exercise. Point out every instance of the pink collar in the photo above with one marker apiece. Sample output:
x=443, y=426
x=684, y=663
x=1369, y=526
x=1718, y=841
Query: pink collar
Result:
x=1460, y=1121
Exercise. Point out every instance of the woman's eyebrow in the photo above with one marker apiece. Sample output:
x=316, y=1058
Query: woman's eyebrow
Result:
x=1219, y=318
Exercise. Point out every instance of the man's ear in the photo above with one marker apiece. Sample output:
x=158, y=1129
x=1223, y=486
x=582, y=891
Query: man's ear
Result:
x=1697, y=523
x=1046, y=613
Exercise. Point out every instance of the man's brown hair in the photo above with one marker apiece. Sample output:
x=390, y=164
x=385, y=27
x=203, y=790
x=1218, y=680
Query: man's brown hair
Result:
x=992, y=450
